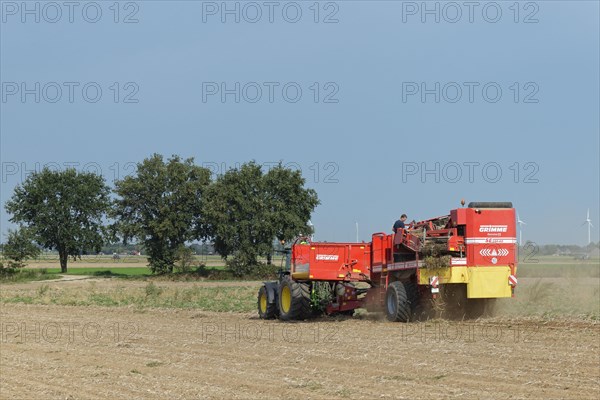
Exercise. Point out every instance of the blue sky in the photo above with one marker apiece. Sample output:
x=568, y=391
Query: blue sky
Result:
x=363, y=101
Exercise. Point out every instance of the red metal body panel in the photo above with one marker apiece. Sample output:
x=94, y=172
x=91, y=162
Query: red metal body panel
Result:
x=381, y=247
x=490, y=236
x=459, y=216
x=332, y=261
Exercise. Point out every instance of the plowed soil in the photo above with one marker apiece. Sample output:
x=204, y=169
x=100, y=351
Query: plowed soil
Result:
x=69, y=352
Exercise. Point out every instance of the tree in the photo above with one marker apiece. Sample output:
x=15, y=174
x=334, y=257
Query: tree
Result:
x=19, y=247
x=246, y=209
x=161, y=207
x=290, y=205
x=63, y=211
x=235, y=210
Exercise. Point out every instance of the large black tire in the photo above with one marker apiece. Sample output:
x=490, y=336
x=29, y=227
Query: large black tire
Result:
x=294, y=300
x=266, y=310
x=401, y=299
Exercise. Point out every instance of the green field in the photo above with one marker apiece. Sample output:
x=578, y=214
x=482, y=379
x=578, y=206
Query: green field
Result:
x=544, y=269
x=48, y=260
x=552, y=269
x=105, y=271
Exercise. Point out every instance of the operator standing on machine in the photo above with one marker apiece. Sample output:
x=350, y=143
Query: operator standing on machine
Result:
x=399, y=223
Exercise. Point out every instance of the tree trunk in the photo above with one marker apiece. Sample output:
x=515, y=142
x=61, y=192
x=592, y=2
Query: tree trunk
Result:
x=63, y=257
x=269, y=258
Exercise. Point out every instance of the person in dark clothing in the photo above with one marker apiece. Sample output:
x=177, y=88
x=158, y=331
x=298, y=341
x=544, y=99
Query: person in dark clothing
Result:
x=400, y=223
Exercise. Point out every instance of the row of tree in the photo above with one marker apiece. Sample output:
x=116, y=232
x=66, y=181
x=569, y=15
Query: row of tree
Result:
x=163, y=206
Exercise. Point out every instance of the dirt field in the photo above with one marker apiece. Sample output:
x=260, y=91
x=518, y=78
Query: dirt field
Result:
x=76, y=352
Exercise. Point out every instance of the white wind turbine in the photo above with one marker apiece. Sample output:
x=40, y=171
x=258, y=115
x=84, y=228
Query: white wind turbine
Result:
x=588, y=221
x=520, y=229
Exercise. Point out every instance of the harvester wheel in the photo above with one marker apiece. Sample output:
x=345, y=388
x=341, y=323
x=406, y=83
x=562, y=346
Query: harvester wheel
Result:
x=294, y=300
x=266, y=310
x=400, y=301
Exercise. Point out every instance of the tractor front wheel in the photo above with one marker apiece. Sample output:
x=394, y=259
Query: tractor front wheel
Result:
x=266, y=310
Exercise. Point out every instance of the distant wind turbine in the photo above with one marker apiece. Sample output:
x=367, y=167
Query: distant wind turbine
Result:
x=588, y=221
x=356, y=231
x=520, y=229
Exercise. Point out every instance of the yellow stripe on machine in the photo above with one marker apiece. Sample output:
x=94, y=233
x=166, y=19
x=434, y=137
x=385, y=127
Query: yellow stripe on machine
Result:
x=482, y=282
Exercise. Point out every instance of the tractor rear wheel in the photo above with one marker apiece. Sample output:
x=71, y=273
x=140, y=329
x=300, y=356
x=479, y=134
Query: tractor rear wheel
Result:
x=266, y=310
x=294, y=300
x=400, y=301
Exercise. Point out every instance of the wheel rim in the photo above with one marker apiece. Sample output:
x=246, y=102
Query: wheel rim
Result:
x=391, y=303
x=263, y=302
x=286, y=299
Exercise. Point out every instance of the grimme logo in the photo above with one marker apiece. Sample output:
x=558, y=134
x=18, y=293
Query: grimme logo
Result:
x=327, y=257
x=492, y=228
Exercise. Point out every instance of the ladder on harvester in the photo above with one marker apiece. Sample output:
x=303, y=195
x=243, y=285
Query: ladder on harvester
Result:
x=387, y=256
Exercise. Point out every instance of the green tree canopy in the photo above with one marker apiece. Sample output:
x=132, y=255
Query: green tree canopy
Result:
x=63, y=210
x=19, y=247
x=161, y=206
x=290, y=205
x=246, y=209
